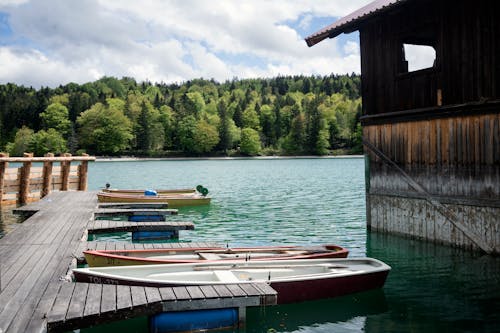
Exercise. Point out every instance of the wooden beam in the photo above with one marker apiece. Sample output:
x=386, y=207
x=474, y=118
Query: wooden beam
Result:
x=24, y=187
x=47, y=176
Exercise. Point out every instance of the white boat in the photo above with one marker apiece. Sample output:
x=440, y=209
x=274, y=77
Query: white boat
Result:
x=294, y=280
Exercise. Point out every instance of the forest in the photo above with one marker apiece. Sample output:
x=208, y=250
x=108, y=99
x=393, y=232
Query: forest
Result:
x=285, y=115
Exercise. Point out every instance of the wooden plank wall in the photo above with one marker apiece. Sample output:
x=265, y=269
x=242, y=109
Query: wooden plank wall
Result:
x=456, y=160
x=467, y=42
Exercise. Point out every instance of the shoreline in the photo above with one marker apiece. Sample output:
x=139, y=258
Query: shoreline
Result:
x=132, y=159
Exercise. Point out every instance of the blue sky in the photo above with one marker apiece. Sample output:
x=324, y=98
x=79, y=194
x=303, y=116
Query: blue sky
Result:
x=53, y=42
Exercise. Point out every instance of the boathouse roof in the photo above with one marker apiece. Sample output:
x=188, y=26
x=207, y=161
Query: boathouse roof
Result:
x=352, y=21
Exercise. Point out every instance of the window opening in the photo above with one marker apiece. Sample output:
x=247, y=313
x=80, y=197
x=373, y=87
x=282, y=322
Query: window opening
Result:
x=418, y=57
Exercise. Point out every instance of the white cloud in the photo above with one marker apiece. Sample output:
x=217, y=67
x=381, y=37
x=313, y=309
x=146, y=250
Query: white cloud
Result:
x=73, y=41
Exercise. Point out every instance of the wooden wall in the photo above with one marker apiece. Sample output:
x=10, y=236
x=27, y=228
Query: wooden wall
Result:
x=456, y=160
x=466, y=37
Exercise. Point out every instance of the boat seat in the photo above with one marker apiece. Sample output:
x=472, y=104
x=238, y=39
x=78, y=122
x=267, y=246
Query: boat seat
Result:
x=208, y=256
x=226, y=276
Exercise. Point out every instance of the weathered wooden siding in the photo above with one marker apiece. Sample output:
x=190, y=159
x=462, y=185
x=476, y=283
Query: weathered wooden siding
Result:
x=455, y=159
x=465, y=35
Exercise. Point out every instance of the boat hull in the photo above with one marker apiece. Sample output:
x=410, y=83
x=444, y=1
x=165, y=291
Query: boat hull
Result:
x=97, y=258
x=309, y=285
x=173, y=201
x=160, y=192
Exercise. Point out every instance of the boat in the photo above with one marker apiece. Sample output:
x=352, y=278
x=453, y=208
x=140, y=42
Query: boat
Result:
x=294, y=280
x=173, y=200
x=159, y=191
x=101, y=258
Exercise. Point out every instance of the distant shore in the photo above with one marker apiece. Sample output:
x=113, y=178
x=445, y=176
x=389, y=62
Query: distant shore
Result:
x=130, y=158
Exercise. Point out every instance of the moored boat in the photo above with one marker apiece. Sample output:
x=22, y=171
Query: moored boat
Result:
x=294, y=280
x=158, y=191
x=173, y=200
x=101, y=258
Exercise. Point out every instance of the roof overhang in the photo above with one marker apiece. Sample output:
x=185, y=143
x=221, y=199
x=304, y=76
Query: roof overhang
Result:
x=352, y=21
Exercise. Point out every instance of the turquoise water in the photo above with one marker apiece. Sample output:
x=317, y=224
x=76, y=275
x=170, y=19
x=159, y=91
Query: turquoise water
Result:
x=431, y=288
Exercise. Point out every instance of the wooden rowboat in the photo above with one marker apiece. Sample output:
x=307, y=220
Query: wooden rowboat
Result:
x=101, y=258
x=160, y=192
x=294, y=280
x=173, y=200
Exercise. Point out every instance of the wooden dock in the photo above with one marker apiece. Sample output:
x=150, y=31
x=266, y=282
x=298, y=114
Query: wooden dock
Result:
x=106, y=226
x=35, y=295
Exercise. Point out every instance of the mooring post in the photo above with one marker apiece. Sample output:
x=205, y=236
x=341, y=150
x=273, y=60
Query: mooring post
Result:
x=47, y=176
x=82, y=174
x=3, y=167
x=65, y=166
x=24, y=185
x=242, y=316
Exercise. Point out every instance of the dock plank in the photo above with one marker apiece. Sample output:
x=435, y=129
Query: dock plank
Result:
x=93, y=301
x=108, y=303
x=38, y=254
x=77, y=304
x=123, y=297
x=61, y=305
x=138, y=296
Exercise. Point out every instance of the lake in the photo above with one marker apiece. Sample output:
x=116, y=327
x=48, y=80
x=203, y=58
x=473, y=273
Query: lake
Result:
x=431, y=288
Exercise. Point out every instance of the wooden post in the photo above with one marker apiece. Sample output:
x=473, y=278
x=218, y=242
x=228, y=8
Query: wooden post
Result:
x=82, y=174
x=47, y=176
x=3, y=167
x=65, y=166
x=24, y=184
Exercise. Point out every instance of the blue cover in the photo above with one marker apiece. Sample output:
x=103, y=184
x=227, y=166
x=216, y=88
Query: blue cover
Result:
x=150, y=192
x=146, y=218
x=152, y=235
x=193, y=320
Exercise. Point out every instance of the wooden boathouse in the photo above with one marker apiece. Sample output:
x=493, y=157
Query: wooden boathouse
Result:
x=431, y=117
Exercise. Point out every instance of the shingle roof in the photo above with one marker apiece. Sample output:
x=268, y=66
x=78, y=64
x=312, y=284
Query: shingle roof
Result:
x=350, y=22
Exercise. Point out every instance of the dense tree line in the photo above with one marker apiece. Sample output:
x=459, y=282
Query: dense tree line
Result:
x=286, y=115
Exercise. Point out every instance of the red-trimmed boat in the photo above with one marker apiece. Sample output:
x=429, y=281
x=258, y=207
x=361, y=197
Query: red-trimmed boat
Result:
x=102, y=258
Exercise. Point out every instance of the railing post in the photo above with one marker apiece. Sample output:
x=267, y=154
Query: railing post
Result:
x=3, y=168
x=47, y=176
x=24, y=185
x=65, y=166
x=82, y=174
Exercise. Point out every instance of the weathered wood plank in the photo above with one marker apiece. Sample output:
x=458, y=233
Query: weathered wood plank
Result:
x=61, y=305
x=93, y=301
x=123, y=297
x=138, y=296
x=77, y=304
x=108, y=302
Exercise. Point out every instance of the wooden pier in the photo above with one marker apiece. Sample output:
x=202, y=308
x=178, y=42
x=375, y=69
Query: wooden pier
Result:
x=36, y=296
x=107, y=226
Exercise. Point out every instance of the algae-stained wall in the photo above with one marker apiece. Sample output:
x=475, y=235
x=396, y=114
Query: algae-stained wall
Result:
x=456, y=160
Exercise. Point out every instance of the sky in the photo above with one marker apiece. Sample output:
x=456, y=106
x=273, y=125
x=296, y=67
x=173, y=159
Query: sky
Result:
x=47, y=43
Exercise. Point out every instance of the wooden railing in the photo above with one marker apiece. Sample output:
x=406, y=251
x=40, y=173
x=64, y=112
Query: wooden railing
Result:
x=27, y=183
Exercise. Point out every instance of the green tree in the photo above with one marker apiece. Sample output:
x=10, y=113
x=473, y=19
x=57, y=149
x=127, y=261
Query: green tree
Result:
x=250, y=118
x=250, y=142
x=104, y=129
x=186, y=132
x=56, y=116
x=166, y=118
x=150, y=135
x=205, y=137
x=50, y=141
x=21, y=142
x=225, y=142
